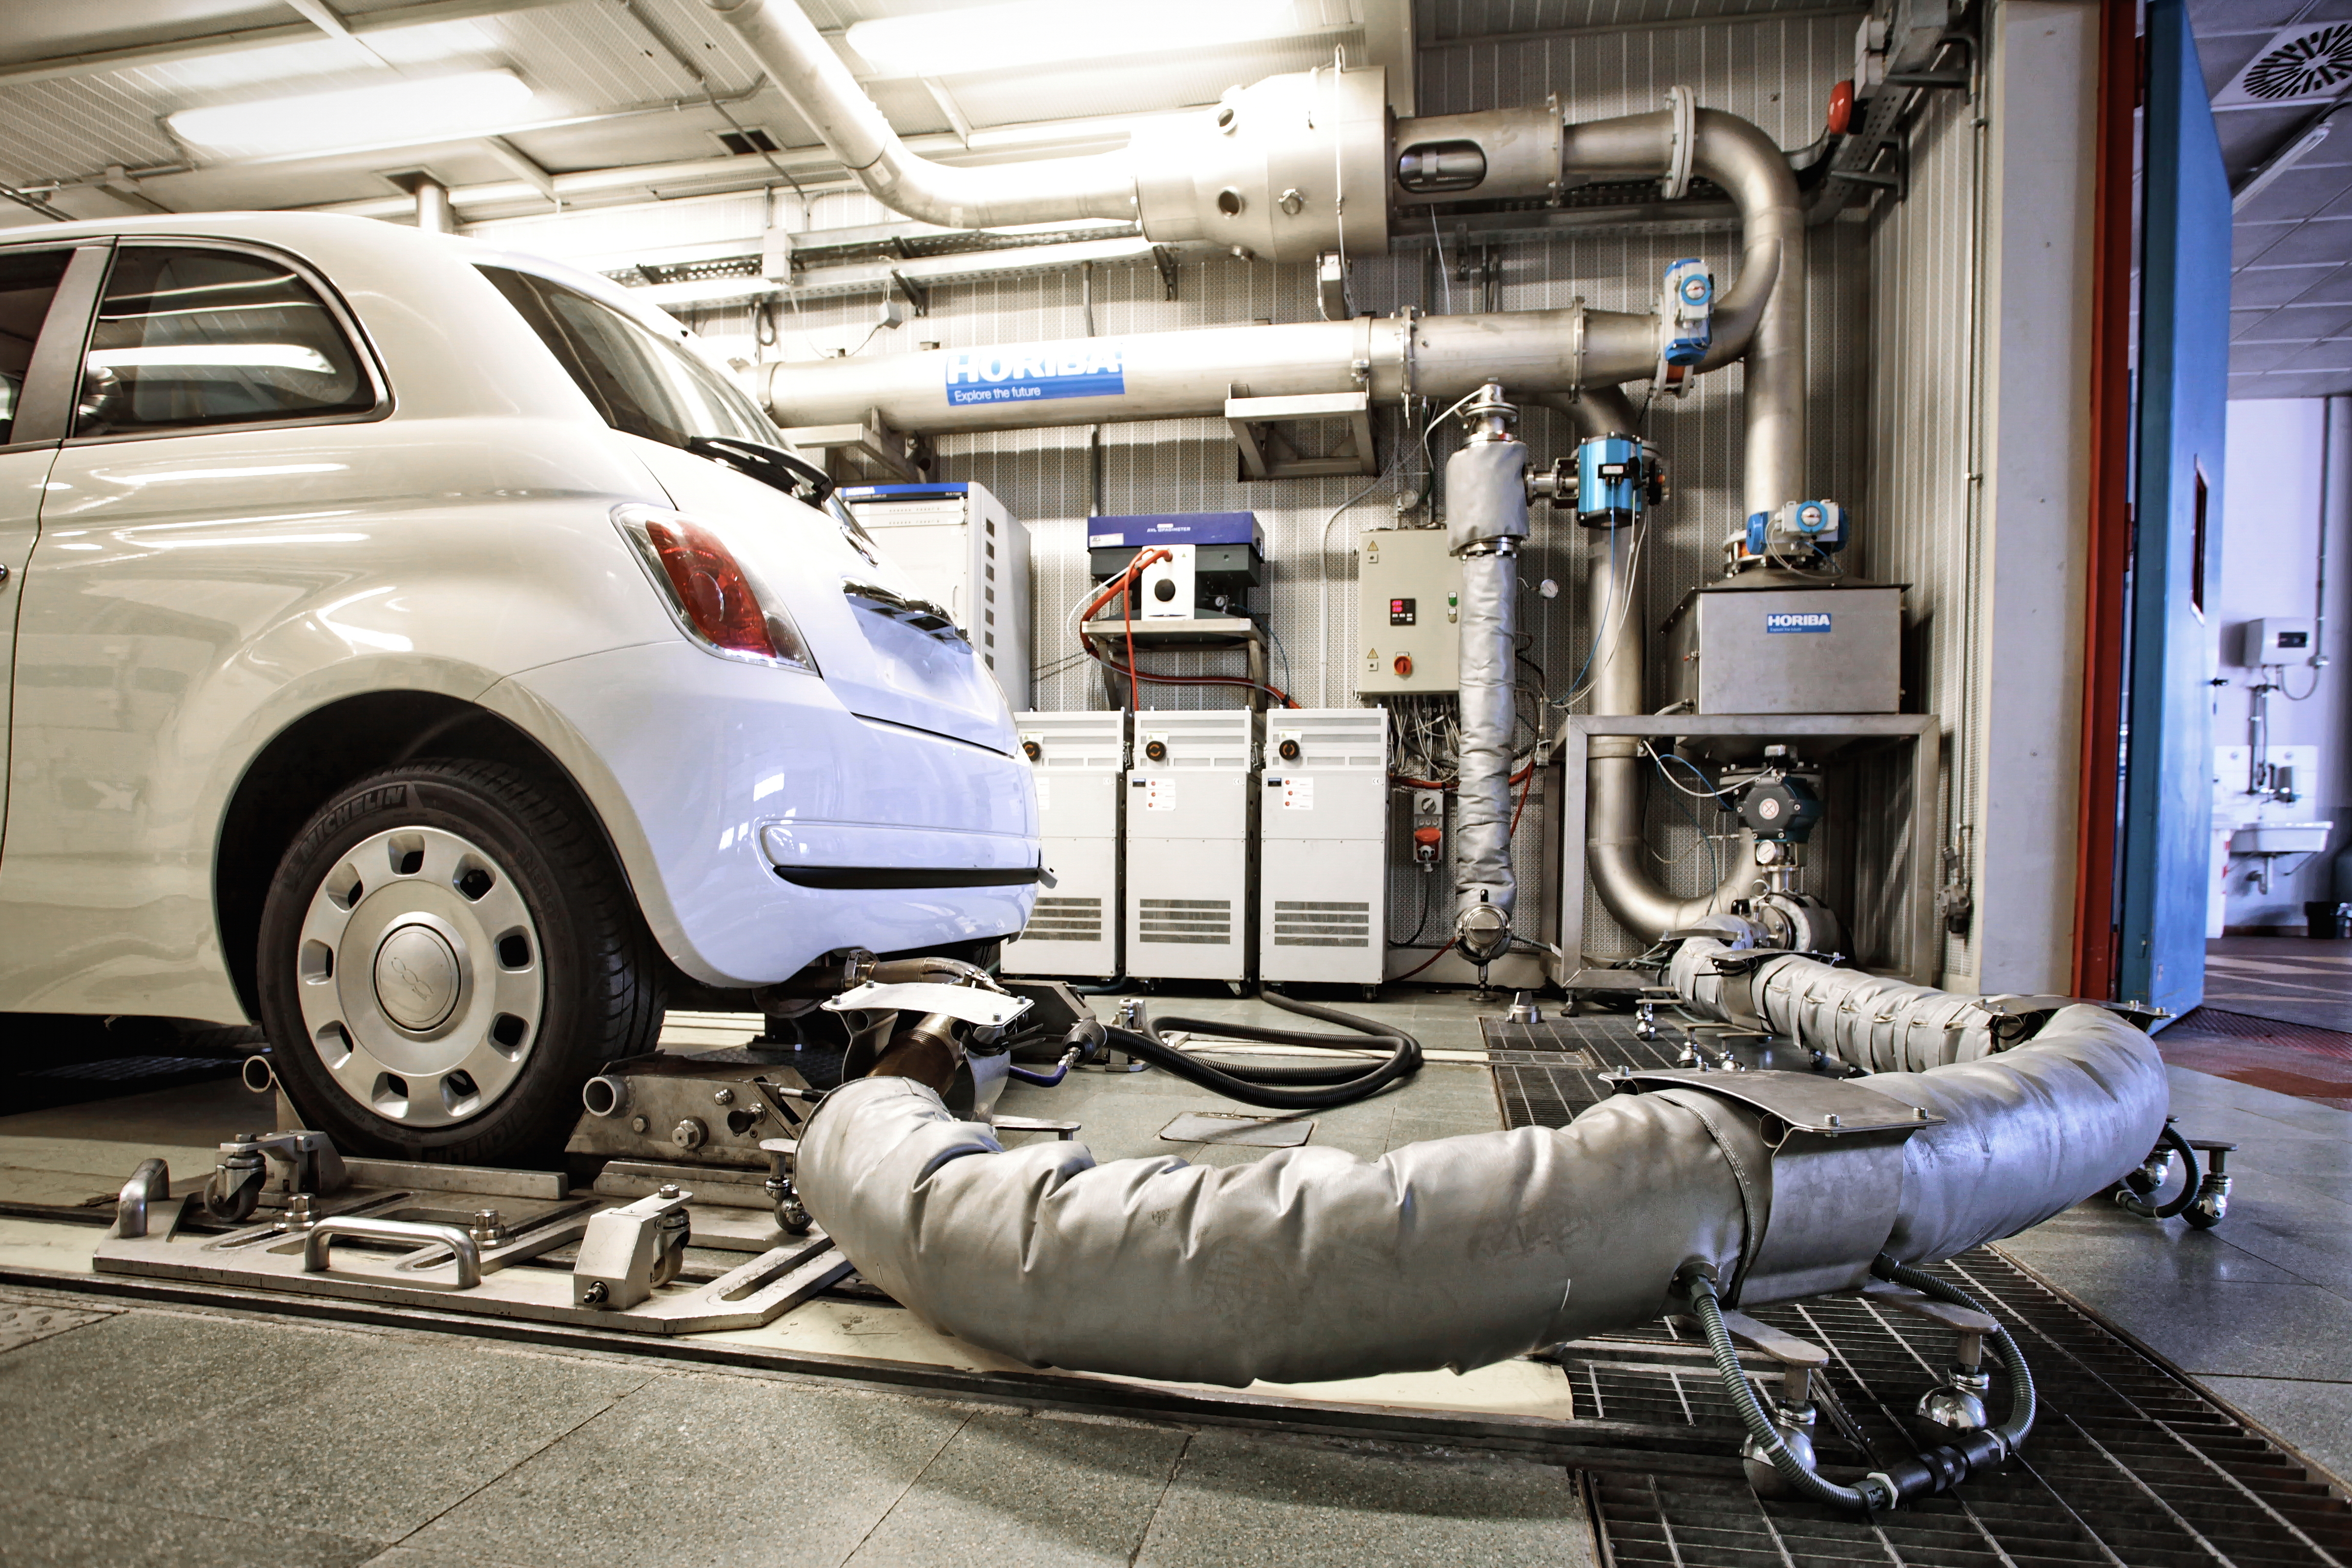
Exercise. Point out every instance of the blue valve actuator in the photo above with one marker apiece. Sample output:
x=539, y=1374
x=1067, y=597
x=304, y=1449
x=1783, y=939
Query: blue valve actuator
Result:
x=1611, y=475
x=1799, y=525
x=1687, y=309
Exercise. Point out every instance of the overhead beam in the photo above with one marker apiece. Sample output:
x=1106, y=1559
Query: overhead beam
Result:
x=239, y=40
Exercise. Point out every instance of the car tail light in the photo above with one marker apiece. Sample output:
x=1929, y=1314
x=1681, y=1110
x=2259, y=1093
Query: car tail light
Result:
x=716, y=600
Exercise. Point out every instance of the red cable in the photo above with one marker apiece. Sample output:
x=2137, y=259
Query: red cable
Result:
x=1434, y=957
x=1525, y=790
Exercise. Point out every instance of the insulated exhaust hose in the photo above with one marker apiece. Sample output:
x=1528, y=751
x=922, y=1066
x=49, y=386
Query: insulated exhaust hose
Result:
x=1312, y=1264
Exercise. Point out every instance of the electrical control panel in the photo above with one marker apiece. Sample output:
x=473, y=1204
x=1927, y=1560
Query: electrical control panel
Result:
x=1408, y=613
x=1323, y=817
x=966, y=551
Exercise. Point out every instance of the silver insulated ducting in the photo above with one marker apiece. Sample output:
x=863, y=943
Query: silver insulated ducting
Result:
x=1312, y=1264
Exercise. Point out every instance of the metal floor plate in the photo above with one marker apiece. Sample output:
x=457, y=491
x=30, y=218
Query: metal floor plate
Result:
x=2128, y=1465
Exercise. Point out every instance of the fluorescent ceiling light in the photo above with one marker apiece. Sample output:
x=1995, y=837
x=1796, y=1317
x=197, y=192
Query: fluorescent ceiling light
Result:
x=1040, y=32
x=225, y=357
x=433, y=107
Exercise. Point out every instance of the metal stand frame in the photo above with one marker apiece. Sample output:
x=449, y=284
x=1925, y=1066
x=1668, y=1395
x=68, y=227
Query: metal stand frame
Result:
x=1921, y=843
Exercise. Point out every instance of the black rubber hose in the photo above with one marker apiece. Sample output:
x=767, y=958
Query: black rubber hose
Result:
x=1316, y=1089
x=2022, y=1402
x=1875, y=1494
x=2135, y=1204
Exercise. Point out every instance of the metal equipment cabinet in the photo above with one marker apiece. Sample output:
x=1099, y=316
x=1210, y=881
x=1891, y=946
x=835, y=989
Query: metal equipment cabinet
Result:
x=966, y=552
x=1323, y=846
x=1191, y=807
x=1079, y=759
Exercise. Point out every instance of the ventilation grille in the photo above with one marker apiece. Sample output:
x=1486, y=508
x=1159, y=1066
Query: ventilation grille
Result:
x=750, y=138
x=1322, y=925
x=1207, y=921
x=2298, y=65
x=1065, y=920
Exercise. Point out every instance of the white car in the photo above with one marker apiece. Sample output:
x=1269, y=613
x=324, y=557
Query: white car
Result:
x=426, y=652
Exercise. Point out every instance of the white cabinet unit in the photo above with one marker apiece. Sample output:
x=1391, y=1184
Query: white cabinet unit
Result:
x=969, y=554
x=1190, y=804
x=1323, y=846
x=1079, y=761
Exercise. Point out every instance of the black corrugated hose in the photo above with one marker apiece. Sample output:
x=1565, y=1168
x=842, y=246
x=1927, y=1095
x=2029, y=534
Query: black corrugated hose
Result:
x=1313, y=1088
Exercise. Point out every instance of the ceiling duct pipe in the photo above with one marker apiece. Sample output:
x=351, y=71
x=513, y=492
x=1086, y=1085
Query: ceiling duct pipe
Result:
x=1265, y=172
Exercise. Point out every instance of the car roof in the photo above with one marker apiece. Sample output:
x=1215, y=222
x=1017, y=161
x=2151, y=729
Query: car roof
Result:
x=400, y=281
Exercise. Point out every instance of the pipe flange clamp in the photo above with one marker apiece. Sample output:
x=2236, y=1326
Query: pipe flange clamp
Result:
x=1684, y=142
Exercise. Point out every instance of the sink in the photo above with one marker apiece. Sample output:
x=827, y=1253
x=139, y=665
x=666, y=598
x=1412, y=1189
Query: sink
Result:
x=2281, y=838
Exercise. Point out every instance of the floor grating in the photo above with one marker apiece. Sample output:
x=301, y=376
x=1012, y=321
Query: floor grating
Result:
x=2128, y=1466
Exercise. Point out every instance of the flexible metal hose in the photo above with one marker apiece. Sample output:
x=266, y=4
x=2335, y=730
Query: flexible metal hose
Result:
x=2022, y=1402
x=1875, y=1492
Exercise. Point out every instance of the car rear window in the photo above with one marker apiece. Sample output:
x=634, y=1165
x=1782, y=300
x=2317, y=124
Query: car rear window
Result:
x=639, y=380
x=191, y=338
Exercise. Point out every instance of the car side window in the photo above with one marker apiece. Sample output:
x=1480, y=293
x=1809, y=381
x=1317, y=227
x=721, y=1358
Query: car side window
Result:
x=193, y=339
x=639, y=380
x=28, y=280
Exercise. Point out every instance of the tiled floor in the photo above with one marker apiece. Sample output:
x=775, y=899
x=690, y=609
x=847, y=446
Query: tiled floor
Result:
x=2289, y=978
x=2258, y=1309
x=198, y=1438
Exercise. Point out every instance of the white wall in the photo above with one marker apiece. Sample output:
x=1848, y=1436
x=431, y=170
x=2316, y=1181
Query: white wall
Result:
x=2271, y=525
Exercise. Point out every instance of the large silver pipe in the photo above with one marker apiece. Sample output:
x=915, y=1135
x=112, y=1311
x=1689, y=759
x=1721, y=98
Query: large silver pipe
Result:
x=1312, y=1264
x=821, y=89
x=1769, y=323
x=1170, y=375
x=1614, y=845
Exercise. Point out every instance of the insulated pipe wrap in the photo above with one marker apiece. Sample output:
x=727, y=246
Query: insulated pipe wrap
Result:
x=1311, y=1264
x=2027, y=1133
x=1305, y=1266
x=1486, y=501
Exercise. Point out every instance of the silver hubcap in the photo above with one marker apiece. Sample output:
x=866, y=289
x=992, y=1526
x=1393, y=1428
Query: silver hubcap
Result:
x=420, y=976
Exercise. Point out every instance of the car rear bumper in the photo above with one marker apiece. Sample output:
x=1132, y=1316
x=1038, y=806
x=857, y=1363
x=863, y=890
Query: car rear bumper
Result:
x=762, y=824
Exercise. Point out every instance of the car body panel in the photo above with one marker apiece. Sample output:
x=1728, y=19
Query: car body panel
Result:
x=750, y=765
x=192, y=594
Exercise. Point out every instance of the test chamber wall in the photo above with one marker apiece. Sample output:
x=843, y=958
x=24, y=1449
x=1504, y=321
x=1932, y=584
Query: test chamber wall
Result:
x=967, y=552
x=1323, y=846
x=1191, y=810
x=1079, y=765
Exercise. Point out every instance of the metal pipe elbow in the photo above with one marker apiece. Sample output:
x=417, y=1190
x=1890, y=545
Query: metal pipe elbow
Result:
x=821, y=89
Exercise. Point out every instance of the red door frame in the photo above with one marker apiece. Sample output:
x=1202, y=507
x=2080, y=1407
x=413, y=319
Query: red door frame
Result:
x=2110, y=502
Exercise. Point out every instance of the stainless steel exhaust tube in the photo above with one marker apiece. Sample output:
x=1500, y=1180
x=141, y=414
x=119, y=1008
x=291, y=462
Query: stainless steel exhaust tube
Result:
x=820, y=88
x=1312, y=1264
x=1757, y=321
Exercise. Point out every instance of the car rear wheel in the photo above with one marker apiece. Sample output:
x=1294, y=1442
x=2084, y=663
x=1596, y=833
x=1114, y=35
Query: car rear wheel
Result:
x=447, y=953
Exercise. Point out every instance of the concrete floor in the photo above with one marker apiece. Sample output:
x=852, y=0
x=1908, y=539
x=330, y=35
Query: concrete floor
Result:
x=196, y=1436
